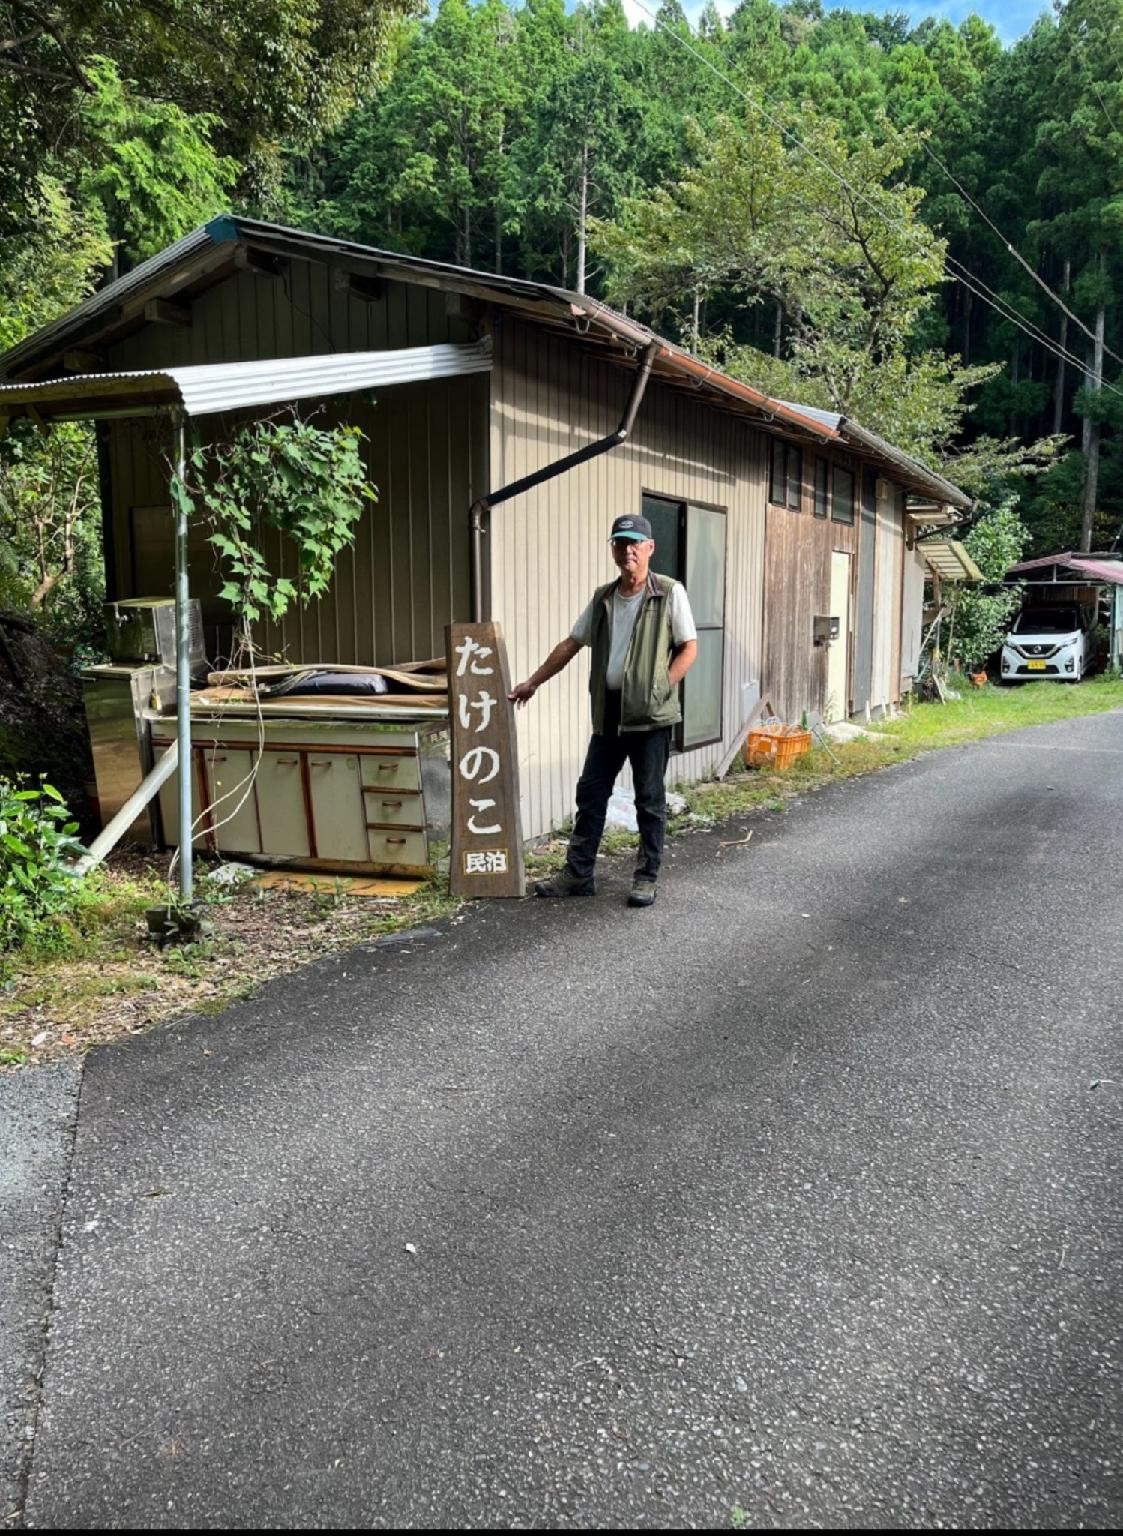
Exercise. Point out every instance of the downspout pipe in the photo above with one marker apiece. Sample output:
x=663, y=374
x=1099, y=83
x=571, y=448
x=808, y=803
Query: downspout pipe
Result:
x=483, y=506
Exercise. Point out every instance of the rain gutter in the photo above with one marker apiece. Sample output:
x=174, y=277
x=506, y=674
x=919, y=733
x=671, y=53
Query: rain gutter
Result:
x=682, y=362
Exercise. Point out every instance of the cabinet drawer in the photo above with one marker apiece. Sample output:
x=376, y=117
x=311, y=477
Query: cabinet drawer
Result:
x=390, y=772
x=389, y=847
x=394, y=808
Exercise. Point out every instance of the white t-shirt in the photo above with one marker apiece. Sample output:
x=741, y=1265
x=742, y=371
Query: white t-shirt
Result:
x=625, y=611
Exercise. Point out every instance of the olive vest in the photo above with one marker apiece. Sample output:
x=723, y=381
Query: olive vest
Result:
x=647, y=699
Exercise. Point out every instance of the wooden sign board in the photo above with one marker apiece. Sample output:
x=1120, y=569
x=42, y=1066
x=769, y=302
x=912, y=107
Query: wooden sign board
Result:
x=487, y=845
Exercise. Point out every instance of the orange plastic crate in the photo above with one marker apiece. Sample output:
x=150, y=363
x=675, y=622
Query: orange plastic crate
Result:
x=776, y=746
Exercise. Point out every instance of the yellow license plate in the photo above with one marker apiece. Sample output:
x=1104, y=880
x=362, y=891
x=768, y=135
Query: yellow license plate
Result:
x=1036, y=666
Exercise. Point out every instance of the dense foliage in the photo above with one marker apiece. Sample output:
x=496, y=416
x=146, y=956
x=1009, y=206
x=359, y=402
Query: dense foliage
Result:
x=691, y=175
x=37, y=844
x=303, y=482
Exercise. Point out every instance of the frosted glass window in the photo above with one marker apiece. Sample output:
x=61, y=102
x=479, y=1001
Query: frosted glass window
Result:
x=705, y=564
x=702, y=691
x=705, y=586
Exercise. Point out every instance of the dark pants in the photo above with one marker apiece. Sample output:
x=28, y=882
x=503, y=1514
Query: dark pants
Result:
x=648, y=753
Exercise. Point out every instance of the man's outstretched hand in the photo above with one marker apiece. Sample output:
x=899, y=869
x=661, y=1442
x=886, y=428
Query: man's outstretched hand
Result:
x=522, y=693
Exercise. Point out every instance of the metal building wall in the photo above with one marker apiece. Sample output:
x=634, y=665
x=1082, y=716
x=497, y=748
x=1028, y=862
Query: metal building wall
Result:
x=885, y=684
x=548, y=550
x=407, y=573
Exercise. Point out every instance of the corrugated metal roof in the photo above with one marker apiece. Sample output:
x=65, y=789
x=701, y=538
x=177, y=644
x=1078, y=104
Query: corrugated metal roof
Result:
x=828, y=418
x=852, y=431
x=950, y=560
x=203, y=389
x=1098, y=567
x=1103, y=570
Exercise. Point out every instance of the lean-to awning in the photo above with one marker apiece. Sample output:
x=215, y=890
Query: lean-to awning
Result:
x=203, y=389
x=949, y=560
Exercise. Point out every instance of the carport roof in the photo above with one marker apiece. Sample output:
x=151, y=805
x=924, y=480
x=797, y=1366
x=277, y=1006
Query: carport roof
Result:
x=1098, y=567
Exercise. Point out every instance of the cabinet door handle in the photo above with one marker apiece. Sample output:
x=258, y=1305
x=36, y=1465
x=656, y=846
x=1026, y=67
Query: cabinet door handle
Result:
x=321, y=765
x=389, y=805
x=395, y=840
x=387, y=767
x=287, y=762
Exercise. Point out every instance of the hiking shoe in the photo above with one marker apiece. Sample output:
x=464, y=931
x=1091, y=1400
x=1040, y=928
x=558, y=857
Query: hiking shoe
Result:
x=642, y=893
x=565, y=884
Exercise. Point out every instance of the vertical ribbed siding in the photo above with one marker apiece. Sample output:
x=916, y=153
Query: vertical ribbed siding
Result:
x=548, y=549
x=407, y=574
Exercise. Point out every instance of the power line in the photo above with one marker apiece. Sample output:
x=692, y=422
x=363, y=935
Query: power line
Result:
x=1017, y=255
x=961, y=274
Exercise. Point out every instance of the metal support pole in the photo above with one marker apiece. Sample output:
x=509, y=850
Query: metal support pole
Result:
x=183, y=669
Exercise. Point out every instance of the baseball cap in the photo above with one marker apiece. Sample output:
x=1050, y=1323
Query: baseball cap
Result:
x=631, y=528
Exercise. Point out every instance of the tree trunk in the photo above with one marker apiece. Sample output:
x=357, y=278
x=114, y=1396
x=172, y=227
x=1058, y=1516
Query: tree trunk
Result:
x=1092, y=433
x=966, y=348
x=1059, y=397
x=778, y=330
x=582, y=218
x=695, y=317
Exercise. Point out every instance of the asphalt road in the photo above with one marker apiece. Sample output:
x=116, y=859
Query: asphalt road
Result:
x=797, y=1196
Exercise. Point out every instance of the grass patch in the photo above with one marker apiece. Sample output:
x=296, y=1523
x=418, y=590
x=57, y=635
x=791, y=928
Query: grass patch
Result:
x=96, y=976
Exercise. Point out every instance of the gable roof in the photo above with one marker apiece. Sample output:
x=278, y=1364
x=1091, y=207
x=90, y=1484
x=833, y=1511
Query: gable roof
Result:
x=216, y=249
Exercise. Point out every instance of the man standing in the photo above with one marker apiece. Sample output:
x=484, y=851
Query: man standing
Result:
x=643, y=640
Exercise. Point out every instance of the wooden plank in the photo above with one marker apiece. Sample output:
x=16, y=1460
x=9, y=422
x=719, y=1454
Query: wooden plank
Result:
x=487, y=846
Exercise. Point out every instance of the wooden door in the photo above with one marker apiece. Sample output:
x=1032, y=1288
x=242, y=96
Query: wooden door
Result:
x=836, y=705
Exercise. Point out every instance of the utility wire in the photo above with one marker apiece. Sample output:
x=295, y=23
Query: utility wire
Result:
x=969, y=280
x=1017, y=255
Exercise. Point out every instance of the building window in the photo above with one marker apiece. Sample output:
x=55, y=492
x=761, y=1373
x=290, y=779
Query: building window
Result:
x=786, y=488
x=822, y=488
x=842, y=495
x=690, y=546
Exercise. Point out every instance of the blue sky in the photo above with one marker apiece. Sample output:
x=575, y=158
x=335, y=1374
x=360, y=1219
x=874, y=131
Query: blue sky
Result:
x=1010, y=18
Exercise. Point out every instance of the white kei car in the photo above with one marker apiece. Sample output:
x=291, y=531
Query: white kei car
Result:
x=1049, y=642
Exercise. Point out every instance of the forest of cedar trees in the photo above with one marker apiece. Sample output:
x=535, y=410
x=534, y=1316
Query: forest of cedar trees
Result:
x=912, y=223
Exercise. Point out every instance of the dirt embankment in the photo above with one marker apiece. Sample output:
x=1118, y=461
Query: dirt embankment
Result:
x=42, y=721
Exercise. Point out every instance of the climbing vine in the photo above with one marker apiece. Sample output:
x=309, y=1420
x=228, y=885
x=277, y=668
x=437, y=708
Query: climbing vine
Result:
x=306, y=483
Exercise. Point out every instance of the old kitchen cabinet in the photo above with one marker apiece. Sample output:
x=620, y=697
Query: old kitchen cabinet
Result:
x=354, y=796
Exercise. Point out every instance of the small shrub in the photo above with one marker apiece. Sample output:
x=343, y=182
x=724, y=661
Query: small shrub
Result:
x=37, y=838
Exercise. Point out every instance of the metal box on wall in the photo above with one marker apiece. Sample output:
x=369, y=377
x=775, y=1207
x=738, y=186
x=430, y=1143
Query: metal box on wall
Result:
x=143, y=629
